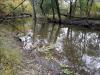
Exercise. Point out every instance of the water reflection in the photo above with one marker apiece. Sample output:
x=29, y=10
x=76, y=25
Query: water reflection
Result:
x=80, y=49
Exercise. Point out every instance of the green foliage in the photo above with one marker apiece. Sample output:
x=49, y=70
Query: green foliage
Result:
x=83, y=7
x=66, y=71
x=48, y=4
x=9, y=6
x=97, y=6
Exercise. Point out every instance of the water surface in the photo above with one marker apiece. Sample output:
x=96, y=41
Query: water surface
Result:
x=77, y=47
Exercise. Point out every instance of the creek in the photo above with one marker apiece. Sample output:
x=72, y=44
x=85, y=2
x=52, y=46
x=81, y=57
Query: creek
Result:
x=47, y=46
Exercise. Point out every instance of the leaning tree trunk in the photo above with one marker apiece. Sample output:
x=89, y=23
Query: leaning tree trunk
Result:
x=70, y=12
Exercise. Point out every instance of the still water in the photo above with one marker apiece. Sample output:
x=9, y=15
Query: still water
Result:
x=77, y=47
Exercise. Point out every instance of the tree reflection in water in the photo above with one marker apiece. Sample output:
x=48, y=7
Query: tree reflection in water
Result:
x=80, y=47
x=76, y=47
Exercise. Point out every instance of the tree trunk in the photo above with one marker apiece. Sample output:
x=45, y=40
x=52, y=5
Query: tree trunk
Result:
x=70, y=12
x=42, y=7
x=53, y=10
x=58, y=10
x=33, y=8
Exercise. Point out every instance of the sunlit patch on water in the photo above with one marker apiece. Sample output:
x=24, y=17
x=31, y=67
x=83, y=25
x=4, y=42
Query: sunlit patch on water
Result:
x=27, y=40
x=92, y=64
x=60, y=38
